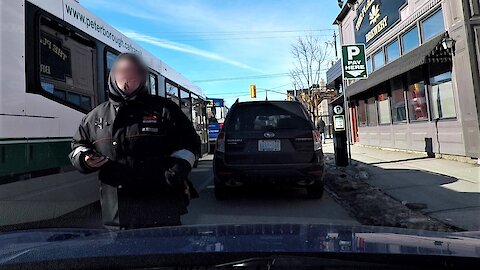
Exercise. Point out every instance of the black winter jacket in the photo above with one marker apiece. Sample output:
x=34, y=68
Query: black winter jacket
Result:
x=139, y=137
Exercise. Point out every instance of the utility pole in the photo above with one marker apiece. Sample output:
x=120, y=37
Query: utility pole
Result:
x=266, y=95
x=335, y=44
x=345, y=105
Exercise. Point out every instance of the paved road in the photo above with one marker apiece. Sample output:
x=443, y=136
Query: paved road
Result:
x=252, y=205
x=260, y=205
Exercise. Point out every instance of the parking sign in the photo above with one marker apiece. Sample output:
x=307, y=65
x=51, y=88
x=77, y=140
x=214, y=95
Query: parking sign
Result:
x=354, y=63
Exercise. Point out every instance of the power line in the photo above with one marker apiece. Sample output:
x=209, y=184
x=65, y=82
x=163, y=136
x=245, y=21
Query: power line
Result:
x=237, y=35
x=243, y=78
x=236, y=94
x=270, y=90
x=240, y=38
x=280, y=86
x=264, y=76
x=239, y=32
x=232, y=93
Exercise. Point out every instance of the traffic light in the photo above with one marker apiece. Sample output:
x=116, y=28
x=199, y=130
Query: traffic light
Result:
x=253, y=91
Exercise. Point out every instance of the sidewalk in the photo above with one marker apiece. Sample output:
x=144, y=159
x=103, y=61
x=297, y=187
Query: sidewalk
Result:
x=443, y=189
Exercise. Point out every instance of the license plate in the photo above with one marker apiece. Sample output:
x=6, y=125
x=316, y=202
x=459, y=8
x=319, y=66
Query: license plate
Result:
x=269, y=145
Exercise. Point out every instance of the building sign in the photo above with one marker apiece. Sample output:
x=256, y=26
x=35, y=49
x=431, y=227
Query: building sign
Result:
x=374, y=18
x=354, y=63
x=215, y=102
x=54, y=58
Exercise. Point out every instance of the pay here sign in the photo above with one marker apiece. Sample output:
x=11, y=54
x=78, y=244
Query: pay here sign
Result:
x=354, y=63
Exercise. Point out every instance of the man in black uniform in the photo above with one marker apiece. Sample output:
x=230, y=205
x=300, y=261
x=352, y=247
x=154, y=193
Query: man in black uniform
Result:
x=143, y=147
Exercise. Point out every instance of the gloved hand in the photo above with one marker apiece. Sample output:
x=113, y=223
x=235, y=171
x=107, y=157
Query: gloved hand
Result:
x=178, y=173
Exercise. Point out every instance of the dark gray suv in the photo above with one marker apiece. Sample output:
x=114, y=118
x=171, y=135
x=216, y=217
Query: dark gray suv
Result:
x=268, y=141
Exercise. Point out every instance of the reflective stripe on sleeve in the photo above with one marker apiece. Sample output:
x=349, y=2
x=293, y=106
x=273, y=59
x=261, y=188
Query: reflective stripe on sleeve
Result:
x=79, y=150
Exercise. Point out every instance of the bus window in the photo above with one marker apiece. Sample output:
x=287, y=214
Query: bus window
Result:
x=67, y=66
x=186, y=103
x=153, y=84
x=203, y=118
x=172, y=93
x=198, y=119
x=110, y=58
x=196, y=112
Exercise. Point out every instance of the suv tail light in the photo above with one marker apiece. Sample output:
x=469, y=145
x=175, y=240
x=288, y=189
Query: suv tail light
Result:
x=221, y=142
x=317, y=140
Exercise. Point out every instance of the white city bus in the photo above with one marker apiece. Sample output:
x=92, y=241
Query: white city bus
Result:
x=55, y=58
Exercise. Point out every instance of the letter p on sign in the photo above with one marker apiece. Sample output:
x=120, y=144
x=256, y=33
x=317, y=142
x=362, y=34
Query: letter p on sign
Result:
x=352, y=52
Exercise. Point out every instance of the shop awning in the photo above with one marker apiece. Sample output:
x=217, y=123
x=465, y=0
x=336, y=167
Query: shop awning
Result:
x=430, y=52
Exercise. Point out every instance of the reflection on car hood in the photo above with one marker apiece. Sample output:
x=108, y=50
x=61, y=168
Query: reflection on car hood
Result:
x=53, y=244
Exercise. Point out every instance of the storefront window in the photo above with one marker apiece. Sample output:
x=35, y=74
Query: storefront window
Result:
x=384, y=109
x=443, y=102
x=410, y=40
x=399, y=113
x=186, y=103
x=371, y=112
x=369, y=65
x=378, y=60
x=172, y=93
x=392, y=51
x=362, y=113
x=417, y=106
x=433, y=25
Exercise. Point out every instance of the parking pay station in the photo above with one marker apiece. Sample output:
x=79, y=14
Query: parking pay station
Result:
x=339, y=134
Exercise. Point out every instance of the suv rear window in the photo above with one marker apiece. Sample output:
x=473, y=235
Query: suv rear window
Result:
x=268, y=116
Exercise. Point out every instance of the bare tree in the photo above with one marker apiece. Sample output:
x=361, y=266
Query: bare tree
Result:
x=309, y=54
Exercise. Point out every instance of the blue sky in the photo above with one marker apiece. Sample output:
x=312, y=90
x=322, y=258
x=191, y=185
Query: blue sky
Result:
x=216, y=39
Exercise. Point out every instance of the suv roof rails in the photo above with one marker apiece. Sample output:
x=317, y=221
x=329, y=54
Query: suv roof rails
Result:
x=234, y=104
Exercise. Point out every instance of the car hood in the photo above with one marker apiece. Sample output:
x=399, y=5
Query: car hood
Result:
x=57, y=244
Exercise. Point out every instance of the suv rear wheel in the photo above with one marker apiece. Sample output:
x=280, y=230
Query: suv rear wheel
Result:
x=315, y=191
x=221, y=191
